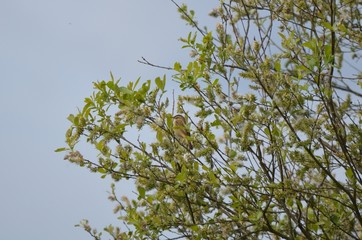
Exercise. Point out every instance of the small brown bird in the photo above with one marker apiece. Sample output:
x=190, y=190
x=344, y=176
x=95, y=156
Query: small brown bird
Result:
x=181, y=133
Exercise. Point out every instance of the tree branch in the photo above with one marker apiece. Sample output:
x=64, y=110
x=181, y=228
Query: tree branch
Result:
x=144, y=61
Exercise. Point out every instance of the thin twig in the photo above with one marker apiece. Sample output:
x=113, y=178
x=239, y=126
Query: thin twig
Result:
x=190, y=18
x=144, y=61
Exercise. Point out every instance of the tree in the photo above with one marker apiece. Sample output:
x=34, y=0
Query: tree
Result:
x=271, y=97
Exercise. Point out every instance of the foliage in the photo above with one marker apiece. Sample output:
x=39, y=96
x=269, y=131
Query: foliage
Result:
x=272, y=99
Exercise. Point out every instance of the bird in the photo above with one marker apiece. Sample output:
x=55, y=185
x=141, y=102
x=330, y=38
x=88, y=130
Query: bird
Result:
x=181, y=133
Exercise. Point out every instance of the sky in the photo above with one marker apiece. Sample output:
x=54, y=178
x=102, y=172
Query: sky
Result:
x=50, y=53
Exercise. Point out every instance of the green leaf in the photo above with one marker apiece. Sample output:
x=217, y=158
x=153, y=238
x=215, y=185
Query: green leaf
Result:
x=310, y=45
x=141, y=192
x=136, y=83
x=216, y=81
x=71, y=118
x=266, y=131
x=100, y=145
x=159, y=136
x=205, y=168
x=216, y=123
x=182, y=175
x=112, y=78
x=334, y=218
x=349, y=173
x=282, y=35
x=275, y=130
x=256, y=216
x=194, y=227
x=290, y=202
x=125, y=90
x=328, y=53
x=120, y=128
x=161, y=82
x=61, y=149
x=212, y=177
x=177, y=66
x=110, y=85
x=146, y=86
x=327, y=25
x=102, y=170
x=169, y=121
x=277, y=66
x=76, y=120
x=87, y=109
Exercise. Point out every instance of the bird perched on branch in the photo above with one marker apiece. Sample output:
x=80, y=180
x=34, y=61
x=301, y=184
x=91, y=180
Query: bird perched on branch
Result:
x=180, y=130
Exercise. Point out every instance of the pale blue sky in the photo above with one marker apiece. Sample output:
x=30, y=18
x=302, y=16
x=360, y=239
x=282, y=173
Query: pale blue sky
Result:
x=50, y=53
